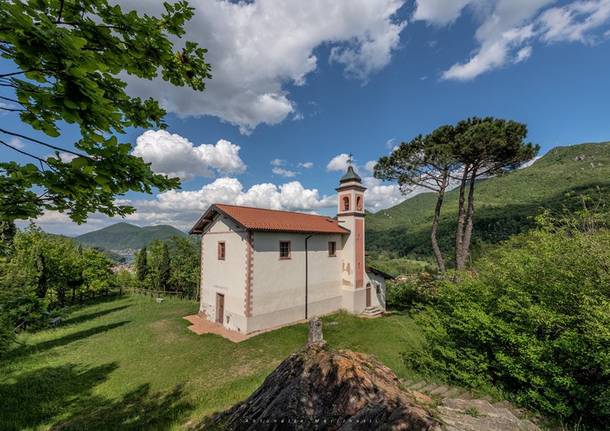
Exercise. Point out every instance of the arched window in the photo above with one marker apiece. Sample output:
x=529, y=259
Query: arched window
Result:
x=359, y=203
x=345, y=203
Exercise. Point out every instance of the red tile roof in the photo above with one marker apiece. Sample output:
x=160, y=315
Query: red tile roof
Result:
x=271, y=220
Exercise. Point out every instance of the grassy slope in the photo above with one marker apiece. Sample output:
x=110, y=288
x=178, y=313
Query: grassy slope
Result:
x=121, y=236
x=132, y=364
x=505, y=205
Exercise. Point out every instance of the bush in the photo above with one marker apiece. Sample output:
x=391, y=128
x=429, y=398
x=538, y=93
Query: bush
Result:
x=535, y=321
x=412, y=291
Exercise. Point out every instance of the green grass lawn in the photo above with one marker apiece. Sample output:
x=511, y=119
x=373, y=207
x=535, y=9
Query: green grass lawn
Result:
x=130, y=363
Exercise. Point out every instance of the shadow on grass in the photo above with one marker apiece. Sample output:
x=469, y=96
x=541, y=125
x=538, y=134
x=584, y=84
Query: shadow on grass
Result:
x=91, y=316
x=139, y=409
x=64, y=395
x=61, y=341
x=36, y=397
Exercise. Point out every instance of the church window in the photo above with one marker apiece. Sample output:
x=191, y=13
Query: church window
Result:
x=332, y=248
x=345, y=203
x=284, y=249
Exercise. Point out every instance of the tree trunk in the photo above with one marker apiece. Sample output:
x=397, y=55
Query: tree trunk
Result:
x=459, y=233
x=440, y=262
x=461, y=264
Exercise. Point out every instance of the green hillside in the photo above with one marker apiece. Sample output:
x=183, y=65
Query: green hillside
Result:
x=124, y=236
x=504, y=205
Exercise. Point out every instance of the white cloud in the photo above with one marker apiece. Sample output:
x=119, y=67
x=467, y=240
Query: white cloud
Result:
x=380, y=196
x=523, y=54
x=16, y=143
x=174, y=155
x=306, y=165
x=284, y=172
x=256, y=48
x=493, y=53
x=338, y=163
x=573, y=21
x=508, y=27
x=370, y=166
x=277, y=162
x=439, y=12
x=183, y=208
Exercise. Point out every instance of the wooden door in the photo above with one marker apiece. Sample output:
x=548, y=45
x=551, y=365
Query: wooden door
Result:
x=368, y=296
x=220, y=308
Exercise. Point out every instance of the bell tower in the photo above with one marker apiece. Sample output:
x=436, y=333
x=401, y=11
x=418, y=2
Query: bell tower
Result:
x=350, y=213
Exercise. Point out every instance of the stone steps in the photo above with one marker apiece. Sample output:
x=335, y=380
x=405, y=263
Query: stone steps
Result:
x=371, y=312
x=448, y=395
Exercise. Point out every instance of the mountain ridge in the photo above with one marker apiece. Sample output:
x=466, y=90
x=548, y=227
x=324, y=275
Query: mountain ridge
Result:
x=124, y=236
x=505, y=205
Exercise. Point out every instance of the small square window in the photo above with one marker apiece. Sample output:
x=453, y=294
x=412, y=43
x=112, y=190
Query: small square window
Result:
x=332, y=248
x=221, y=250
x=284, y=249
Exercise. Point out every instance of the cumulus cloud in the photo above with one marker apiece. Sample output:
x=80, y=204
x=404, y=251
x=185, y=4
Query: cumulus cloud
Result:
x=338, y=163
x=256, y=48
x=508, y=27
x=176, y=156
x=182, y=208
x=306, y=165
x=370, y=166
x=284, y=172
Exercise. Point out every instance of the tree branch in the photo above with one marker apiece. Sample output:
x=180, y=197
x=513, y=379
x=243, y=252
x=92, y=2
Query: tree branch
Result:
x=10, y=100
x=25, y=153
x=45, y=144
x=15, y=73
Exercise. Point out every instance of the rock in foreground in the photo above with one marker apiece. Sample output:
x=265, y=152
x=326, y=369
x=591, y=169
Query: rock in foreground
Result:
x=321, y=389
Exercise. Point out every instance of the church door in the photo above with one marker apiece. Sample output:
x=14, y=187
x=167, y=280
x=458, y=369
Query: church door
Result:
x=368, y=296
x=220, y=308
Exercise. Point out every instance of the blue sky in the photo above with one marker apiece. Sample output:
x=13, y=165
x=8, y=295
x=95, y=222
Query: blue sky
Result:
x=297, y=84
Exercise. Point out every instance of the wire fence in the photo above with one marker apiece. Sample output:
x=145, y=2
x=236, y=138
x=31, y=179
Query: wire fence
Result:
x=163, y=293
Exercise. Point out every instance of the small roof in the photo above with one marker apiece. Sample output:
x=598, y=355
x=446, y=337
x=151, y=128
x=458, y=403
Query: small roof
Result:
x=379, y=273
x=271, y=220
x=350, y=175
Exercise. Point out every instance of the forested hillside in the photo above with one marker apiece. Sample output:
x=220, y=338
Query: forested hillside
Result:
x=505, y=205
x=124, y=236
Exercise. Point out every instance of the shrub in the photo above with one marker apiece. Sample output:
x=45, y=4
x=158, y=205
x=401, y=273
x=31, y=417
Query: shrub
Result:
x=410, y=291
x=534, y=321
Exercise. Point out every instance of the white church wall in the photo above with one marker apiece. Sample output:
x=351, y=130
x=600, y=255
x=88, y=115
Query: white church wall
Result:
x=378, y=290
x=278, y=291
x=226, y=277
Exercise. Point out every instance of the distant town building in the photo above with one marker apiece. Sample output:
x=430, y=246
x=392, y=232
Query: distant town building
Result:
x=264, y=268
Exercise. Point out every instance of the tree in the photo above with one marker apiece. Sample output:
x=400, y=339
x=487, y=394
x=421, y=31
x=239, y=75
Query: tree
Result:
x=142, y=265
x=164, y=268
x=427, y=162
x=184, y=266
x=7, y=233
x=68, y=56
x=484, y=146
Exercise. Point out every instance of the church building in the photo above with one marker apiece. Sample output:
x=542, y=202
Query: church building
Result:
x=262, y=269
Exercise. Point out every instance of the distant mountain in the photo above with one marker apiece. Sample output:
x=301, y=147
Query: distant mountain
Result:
x=122, y=237
x=505, y=205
